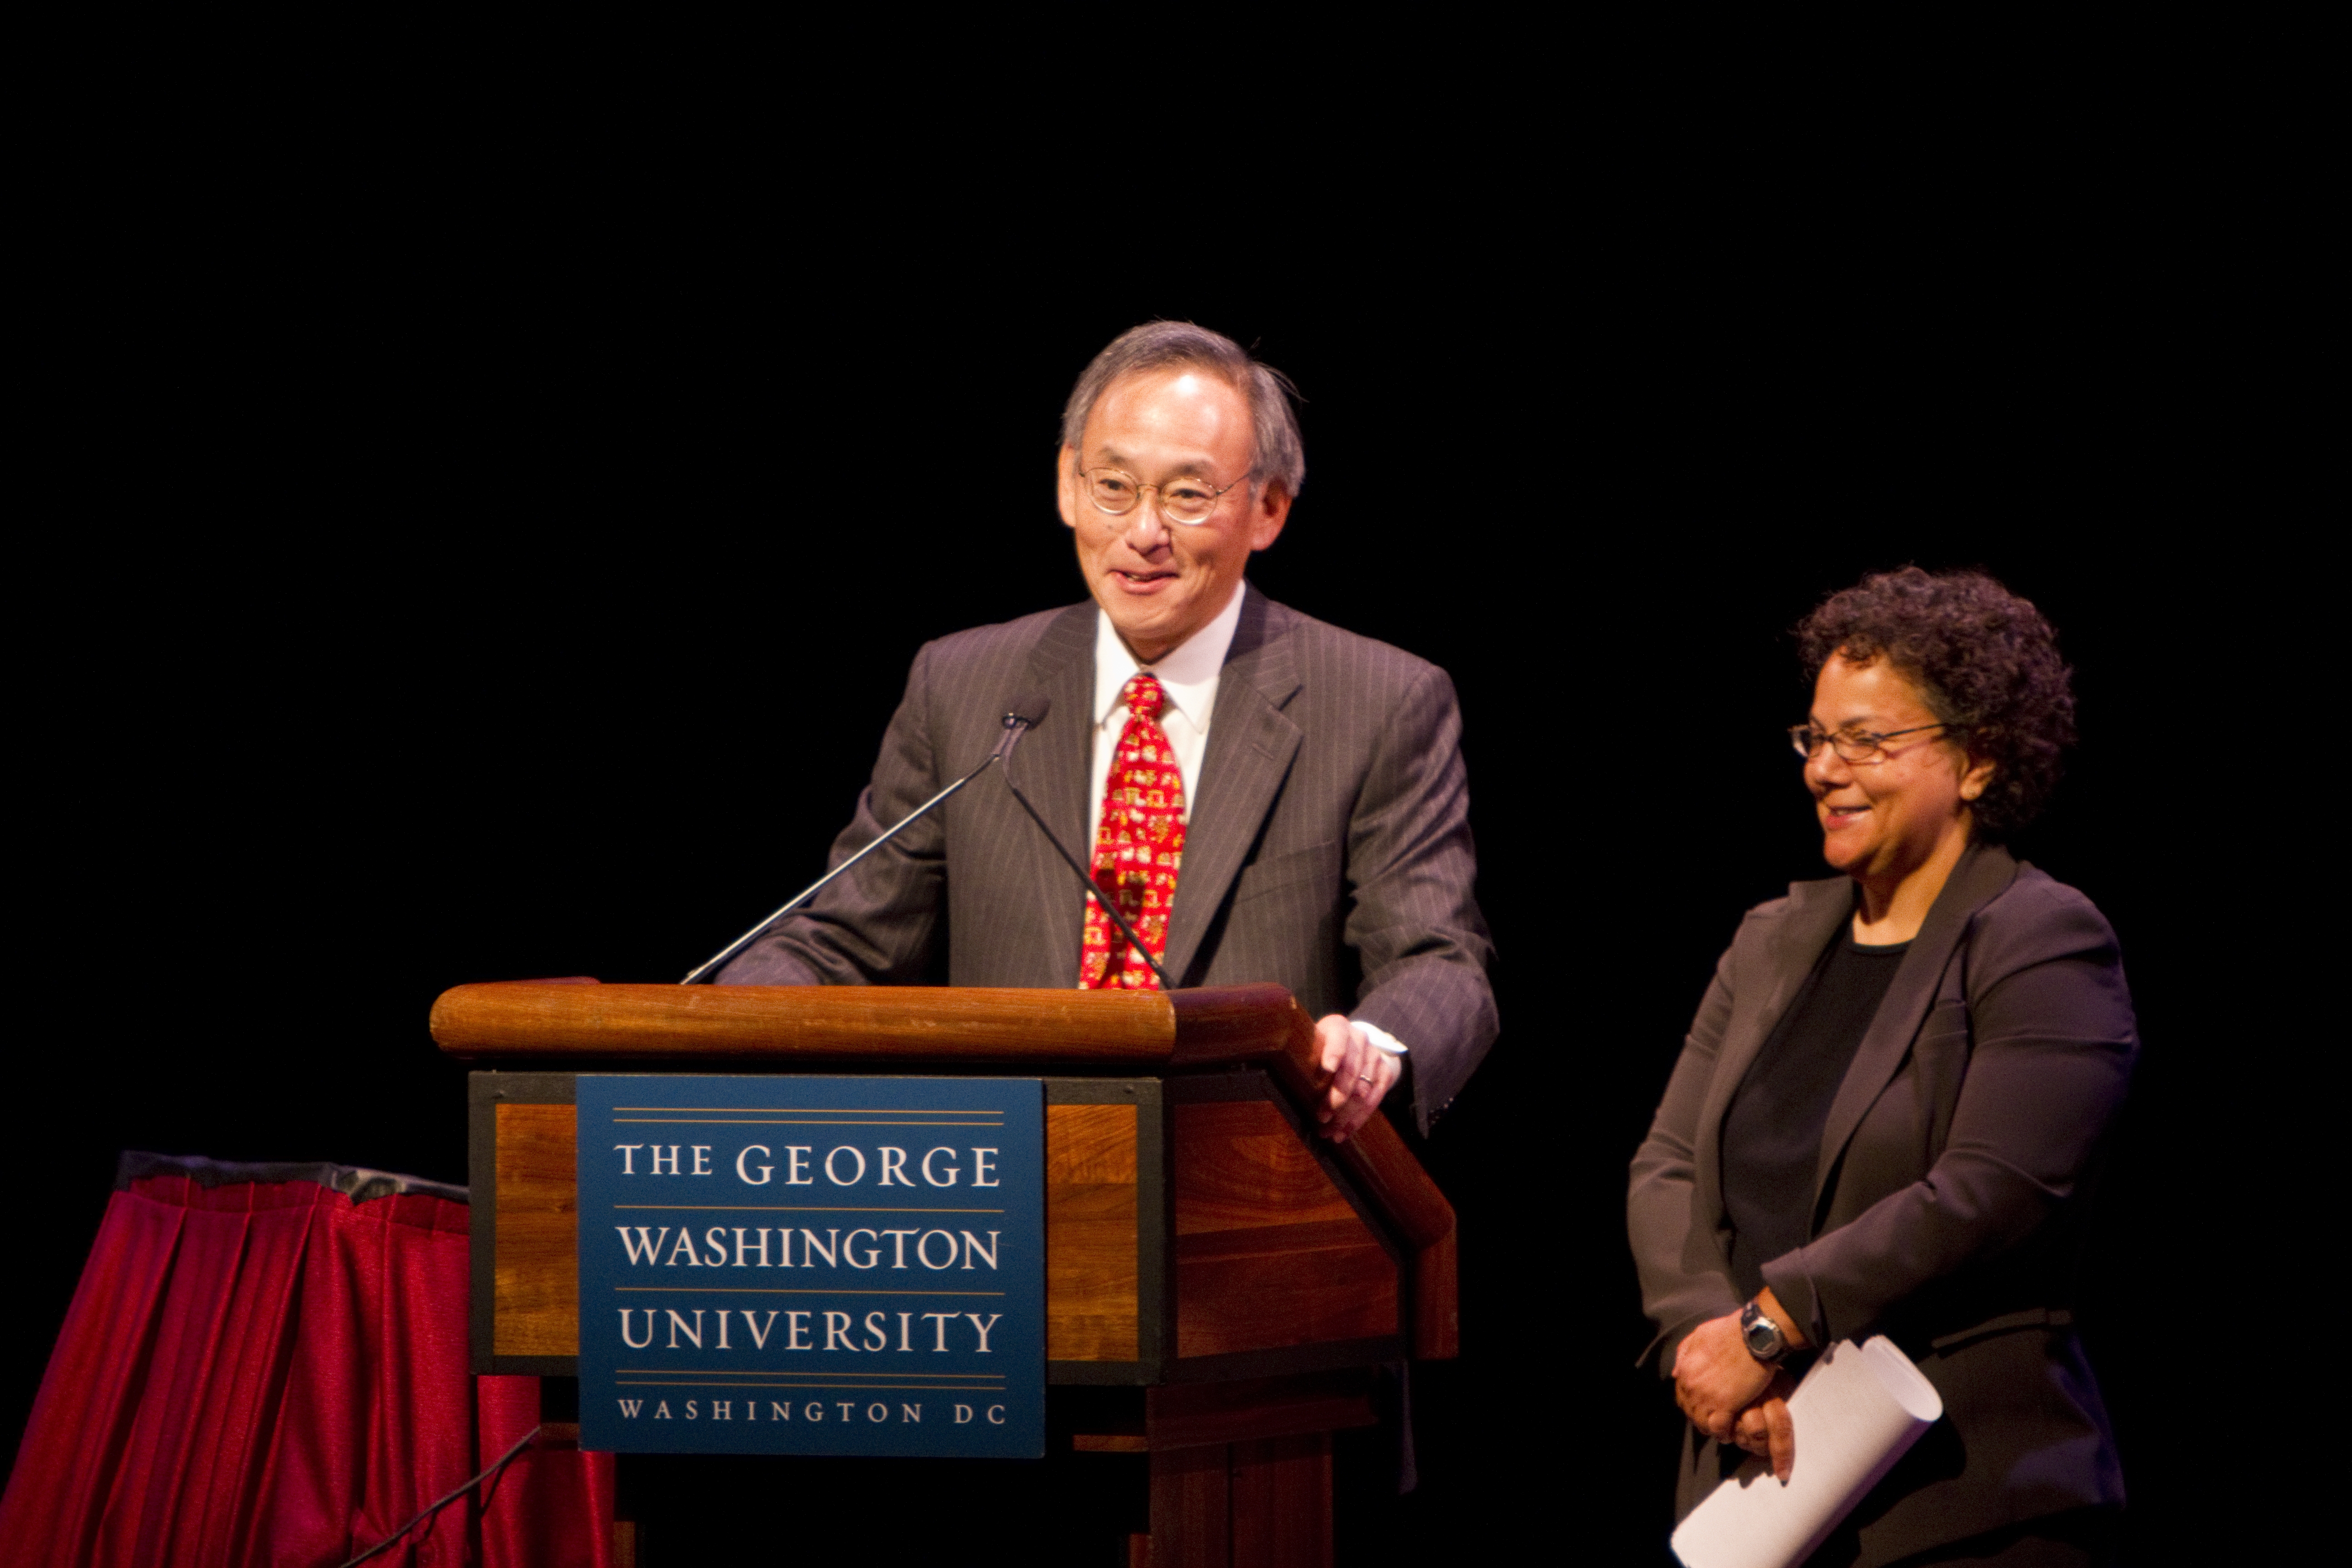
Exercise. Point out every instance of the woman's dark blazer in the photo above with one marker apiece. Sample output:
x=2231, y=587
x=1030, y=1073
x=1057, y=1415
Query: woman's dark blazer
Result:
x=1955, y=1168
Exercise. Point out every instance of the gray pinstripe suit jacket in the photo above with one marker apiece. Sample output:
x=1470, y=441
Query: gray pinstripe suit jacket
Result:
x=1328, y=849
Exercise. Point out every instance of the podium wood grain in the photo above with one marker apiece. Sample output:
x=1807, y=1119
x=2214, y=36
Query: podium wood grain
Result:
x=538, y=1280
x=1268, y=1252
x=1091, y=1272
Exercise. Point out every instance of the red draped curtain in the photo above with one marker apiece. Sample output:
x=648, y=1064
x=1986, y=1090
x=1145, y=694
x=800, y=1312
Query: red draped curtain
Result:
x=269, y=1373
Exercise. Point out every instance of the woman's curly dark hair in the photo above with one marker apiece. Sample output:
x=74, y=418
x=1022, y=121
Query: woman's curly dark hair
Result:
x=1984, y=661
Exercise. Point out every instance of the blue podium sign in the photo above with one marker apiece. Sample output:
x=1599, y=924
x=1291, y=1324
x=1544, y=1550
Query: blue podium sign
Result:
x=847, y=1266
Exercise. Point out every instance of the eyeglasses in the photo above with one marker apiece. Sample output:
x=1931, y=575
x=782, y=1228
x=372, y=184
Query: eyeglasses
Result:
x=1187, y=500
x=1851, y=745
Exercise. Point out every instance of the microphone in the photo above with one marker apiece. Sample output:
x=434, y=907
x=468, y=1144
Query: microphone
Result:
x=1018, y=720
x=1028, y=712
x=1085, y=878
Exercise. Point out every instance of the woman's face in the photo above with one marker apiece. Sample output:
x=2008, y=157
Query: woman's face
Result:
x=1880, y=820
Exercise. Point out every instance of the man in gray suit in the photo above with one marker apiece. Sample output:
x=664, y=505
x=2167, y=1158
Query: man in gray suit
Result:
x=1313, y=780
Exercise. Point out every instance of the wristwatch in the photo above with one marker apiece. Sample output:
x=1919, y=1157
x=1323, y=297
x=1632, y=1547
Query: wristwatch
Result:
x=1765, y=1341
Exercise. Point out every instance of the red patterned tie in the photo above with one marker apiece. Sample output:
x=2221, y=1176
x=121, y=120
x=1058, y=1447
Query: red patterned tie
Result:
x=1138, y=848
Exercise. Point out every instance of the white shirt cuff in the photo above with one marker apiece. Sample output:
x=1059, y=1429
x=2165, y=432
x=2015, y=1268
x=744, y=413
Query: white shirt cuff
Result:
x=1379, y=1039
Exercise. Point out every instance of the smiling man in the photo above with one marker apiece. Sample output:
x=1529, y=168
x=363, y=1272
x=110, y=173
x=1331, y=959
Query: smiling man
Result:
x=1267, y=797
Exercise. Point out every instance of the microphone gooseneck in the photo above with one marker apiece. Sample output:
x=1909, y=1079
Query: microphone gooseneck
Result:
x=1017, y=721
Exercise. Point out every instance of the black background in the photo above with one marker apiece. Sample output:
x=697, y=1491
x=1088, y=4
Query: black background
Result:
x=447, y=588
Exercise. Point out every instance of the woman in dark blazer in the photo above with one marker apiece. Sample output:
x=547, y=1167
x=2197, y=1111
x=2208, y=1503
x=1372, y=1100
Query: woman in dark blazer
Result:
x=1889, y=1109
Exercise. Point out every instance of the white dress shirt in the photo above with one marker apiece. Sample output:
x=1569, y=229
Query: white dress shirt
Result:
x=1188, y=676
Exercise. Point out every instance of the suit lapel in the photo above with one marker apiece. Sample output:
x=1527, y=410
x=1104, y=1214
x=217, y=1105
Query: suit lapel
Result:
x=1250, y=744
x=1817, y=911
x=1052, y=766
x=1981, y=873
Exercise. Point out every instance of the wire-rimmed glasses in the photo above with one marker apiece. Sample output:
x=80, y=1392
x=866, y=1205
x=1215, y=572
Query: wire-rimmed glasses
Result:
x=1852, y=746
x=1188, y=500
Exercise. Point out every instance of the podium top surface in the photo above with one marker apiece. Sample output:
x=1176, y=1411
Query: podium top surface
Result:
x=1116, y=1030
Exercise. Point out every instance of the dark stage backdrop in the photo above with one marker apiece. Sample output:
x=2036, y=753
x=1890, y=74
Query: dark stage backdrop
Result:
x=449, y=643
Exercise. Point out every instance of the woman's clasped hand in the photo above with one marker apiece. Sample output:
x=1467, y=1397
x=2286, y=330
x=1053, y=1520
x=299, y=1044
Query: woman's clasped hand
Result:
x=1733, y=1397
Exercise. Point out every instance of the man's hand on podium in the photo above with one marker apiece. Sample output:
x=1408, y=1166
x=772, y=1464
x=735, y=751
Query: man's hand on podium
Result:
x=1358, y=1074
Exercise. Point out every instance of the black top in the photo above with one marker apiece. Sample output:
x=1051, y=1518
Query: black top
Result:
x=1772, y=1131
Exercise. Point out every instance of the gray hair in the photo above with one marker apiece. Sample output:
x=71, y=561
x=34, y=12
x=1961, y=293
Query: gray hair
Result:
x=1276, y=453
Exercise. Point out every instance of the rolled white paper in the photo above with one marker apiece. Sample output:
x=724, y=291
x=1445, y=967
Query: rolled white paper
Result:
x=1856, y=1413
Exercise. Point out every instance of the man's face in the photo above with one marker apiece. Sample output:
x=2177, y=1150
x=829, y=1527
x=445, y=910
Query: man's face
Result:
x=1159, y=581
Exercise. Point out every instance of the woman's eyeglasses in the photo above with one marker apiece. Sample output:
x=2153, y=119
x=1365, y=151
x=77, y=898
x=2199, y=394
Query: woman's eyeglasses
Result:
x=1852, y=745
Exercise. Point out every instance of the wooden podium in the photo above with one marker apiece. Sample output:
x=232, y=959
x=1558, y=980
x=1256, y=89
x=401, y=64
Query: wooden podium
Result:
x=1203, y=1247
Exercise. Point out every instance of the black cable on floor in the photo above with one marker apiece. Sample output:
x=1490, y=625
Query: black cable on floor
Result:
x=491, y=1474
